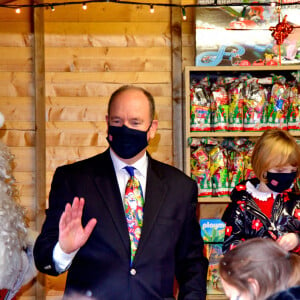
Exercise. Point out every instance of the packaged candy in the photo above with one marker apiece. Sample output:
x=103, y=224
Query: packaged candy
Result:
x=218, y=170
x=293, y=114
x=235, y=108
x=219, y=107
x=239, y=161
x=235, y=164
x=200, y=108
x=200, y=99
x=200, y=165
x=255, y=102
x=278, y=104
x=248, y=170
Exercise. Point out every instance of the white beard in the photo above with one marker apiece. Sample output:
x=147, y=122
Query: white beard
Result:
x=16, y=263
x=11, y=244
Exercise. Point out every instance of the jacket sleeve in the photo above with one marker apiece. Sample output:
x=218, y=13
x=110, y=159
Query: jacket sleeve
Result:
x=191, y=267
x=235, y=226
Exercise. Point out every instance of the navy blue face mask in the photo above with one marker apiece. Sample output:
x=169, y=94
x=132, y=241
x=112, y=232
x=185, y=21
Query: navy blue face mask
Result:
x=127, y=142
x=279, y=182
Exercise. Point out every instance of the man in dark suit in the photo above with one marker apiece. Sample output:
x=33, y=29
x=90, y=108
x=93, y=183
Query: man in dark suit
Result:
x=85, y=230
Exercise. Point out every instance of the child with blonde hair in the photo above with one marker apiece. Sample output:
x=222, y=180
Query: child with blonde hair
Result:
x=268, y=205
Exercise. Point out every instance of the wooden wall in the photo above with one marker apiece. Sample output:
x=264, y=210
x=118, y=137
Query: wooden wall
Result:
x=88, y=54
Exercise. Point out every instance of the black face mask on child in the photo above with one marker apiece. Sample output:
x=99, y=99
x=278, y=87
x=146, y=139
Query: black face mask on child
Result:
x=279, y=182
x=127, y=142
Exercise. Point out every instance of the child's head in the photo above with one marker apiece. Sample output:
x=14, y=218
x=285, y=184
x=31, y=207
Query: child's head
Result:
x=276, y=148
x=257, y=268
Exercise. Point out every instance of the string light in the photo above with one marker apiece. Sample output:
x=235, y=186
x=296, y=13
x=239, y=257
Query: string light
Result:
x=208, y=3
x=18, y=10
x=52, y=8
x=151, y=8
x=183, y=13
x=84, y=6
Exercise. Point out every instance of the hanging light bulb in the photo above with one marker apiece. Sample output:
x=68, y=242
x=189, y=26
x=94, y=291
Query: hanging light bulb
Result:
x=84, y=6
x=151, y=8
x=18, y=10
x=183, y=14
x=52, y=8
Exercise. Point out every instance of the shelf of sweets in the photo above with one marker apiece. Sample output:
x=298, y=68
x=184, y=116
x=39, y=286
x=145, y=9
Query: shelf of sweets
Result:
x=196, y=134
x=226, y=110
x=242, y=102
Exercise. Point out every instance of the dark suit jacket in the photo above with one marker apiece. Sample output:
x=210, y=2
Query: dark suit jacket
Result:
x=170, y=242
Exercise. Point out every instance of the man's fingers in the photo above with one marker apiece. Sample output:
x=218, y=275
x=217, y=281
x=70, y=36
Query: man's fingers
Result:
x=62, y=221
x=77, y=208
x=67, y=213
x=89, y=227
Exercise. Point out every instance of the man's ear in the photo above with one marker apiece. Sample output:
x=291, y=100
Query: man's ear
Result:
x=153, y=128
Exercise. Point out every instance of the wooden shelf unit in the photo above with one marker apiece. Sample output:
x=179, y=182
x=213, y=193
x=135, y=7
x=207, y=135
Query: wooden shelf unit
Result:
x=193, y=71
x=213, y=207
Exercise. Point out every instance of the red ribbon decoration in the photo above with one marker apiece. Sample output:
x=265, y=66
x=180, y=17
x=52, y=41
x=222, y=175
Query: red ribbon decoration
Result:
x=281, y=31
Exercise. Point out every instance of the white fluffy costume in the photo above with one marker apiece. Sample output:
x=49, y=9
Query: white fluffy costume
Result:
x=16, y=242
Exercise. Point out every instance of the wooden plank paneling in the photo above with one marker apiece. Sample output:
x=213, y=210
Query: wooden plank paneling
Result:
x=114, y=34
x=105, y=12
x=15, y=84
x=108, y=59
x=107, y=86
x=16, y=59
x=17, y=109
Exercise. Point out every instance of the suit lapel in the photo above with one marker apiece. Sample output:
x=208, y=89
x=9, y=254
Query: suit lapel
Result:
x=107, y=185
x=156, y=193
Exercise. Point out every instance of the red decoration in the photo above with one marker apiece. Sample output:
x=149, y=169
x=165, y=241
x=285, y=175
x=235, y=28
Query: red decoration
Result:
x=228, y=230
x=257, y=224
x=281, y=31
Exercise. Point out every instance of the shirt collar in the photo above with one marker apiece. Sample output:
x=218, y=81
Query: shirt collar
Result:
x=140, y=165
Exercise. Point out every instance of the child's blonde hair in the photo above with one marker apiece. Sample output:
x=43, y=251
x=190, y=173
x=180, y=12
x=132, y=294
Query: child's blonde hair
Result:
x=275, y=148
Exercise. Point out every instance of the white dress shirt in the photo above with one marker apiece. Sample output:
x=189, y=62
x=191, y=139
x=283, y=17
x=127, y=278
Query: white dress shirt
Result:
x=63, y=260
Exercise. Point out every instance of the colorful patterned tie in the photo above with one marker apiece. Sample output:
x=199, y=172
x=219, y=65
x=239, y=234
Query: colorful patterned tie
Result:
x=134, y=203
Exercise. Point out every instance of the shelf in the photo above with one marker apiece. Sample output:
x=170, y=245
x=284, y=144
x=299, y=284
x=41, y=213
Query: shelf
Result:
x=214, y=207
x=214, y=200
x=243, y=68
x=232, y=133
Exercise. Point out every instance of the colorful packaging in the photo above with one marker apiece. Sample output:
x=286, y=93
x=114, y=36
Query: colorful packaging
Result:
x=213, y=233
x=293, y=114
x=200, y=107
x=200, y=166
x=218, y=170
x=254, y=106
x=200, y=171
x=219, y=107
x=235, y=108
x=278, y=104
